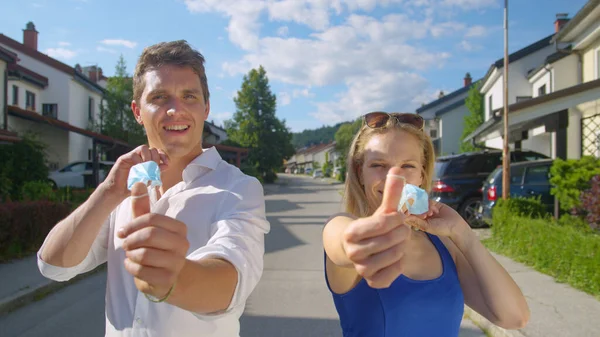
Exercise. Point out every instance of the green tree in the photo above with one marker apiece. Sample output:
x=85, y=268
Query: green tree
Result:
x=326, y=165
x=255, y=126
x=116, y=119
x=343, y=140
x=474, y=119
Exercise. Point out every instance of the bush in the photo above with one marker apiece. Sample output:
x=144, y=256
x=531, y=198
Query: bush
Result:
x=22, y=162
x=37, y=190
x=24, y=226
x=590, y=202
x=570, y=177
x=562, y=251
x=527, y=207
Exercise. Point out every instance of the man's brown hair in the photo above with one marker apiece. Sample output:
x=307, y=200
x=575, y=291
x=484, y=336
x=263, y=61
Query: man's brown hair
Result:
x=177, y=53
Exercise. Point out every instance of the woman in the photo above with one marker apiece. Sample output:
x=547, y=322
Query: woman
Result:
x=393, y=273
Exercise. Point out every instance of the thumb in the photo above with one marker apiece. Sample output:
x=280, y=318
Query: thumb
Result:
x=140, y=201
x=394, y=184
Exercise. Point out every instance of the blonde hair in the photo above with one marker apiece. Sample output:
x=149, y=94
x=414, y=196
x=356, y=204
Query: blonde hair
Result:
x=355, y=199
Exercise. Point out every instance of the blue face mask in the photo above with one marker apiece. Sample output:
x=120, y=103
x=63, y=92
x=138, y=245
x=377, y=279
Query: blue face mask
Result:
x=415, y=199
x=147, y=172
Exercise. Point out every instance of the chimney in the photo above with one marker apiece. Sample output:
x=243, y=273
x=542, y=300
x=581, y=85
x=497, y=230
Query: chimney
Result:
x=30, y=36
x=468, y=80
x=92, y=74
x=441, y=94
x=561, y=20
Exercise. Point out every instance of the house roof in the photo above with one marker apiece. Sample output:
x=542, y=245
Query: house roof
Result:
x=8, y=55
x=41, y=57
x=519, y=54
x=35, y=117
x=8, y=136
x=445, y=98
x=450, y=107
x=27, y=75
x=576, y=20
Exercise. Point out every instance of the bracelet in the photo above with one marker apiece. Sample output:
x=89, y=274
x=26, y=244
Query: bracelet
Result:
x=156, y=300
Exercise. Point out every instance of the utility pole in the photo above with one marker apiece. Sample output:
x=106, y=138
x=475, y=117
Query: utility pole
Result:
x=505, y=151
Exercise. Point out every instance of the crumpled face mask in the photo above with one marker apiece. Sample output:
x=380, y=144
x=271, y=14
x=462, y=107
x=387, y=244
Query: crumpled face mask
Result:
x=415, y=200
x=147, y=172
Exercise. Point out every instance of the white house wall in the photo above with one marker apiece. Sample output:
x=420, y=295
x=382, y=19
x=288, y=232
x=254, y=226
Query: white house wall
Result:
x=517, y=76
x=23, y=88
x=544, y=80
x=453, y=123
x=541, y=143
x=79, y=146
x=55, y=93
x=565, y=73
x=55, y=140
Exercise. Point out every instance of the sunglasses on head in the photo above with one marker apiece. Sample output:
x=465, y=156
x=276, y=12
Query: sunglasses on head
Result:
x=379, y=119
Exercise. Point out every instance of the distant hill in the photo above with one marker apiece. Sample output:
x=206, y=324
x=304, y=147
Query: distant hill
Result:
x=323, y=134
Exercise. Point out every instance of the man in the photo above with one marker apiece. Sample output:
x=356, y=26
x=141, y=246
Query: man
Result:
x=187, y=267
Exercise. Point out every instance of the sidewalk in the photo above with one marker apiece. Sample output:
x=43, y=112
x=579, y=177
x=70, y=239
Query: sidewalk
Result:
x=22, y=283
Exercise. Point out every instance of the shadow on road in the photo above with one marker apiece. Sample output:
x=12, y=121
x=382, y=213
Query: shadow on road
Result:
x=280, y=238
x=261, y=326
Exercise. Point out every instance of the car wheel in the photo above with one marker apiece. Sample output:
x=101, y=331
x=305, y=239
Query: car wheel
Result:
x=468, y=210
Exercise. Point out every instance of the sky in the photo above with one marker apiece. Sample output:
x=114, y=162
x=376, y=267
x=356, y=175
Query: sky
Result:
x=327, y=61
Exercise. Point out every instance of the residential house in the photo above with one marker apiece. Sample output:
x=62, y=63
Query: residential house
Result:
x=309, y=157
x=7, y=58
x=554, y=92
x=326, y=152
x=53, y=100
x=444, y=118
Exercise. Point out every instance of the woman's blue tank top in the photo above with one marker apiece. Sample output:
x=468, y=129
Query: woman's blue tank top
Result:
x=408, y=308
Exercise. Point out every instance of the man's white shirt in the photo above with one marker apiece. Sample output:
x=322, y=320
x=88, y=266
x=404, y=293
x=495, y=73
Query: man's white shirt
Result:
x=225, y=216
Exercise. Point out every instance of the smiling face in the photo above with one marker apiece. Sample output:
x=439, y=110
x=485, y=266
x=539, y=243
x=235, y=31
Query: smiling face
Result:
x=381, y=152
x=179, y=91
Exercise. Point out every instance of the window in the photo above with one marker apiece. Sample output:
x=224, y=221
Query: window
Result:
x=491, y=162
x=76, y=167
x=542, y=90
x=491, y=112
x=516, y=175
x=91, y=109
x=50, y=110
x=29, y=100
x=537, y=175
x=433, y=133
x=15, y=97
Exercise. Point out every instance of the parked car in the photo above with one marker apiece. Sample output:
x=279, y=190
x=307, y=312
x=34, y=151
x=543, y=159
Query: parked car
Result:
x=458, y=179
x=318, y=174
x=78, y=174
x=527, y=179
x=308, y=171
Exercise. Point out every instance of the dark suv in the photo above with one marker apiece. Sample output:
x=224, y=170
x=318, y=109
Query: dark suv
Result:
x=459, y=179
x=527, y=179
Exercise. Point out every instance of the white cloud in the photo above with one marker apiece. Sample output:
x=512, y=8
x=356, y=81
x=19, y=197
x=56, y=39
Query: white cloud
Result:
x=219, y=118
x=383, y=90
x=64, y=44
x=467, y=46
x=284, y=98
x=470, y=4
x=37, y=5
x=477, y=31
x=374, y=60
x=283, y=31
x=119, y=42
x=106, y=50
x=447, y=28
x=302, y=93
x=61, y=53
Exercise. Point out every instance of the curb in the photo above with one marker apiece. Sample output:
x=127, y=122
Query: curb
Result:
x=37, y=292
x=488, y=327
